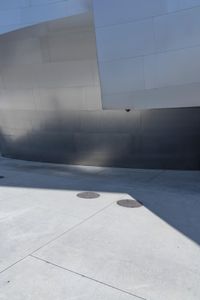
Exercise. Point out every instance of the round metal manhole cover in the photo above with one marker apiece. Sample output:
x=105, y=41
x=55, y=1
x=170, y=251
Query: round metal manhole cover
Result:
x=88, y=195
x=1, y=177
x=129, y=203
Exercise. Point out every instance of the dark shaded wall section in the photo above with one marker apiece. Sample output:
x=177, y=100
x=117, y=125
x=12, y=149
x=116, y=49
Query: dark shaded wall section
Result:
x=165, y=138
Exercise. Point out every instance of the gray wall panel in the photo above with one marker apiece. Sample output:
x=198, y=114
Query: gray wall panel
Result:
x=128, y=40
x=166, y=138
x=122, y=76
x=174, y=5
x=174, y=68
x=15, y=14
x=178, y=30
x=50, y=102
x=112, y=12
x=163, y=35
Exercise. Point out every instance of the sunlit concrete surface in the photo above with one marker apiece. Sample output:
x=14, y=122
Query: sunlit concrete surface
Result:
x=54, y=245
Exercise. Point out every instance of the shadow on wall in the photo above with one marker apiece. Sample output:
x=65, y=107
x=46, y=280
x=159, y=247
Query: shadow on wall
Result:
x=163, y=139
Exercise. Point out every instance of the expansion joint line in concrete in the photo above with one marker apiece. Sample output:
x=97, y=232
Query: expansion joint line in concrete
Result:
x=62, y=234
x=73, y=227
x=89, y=278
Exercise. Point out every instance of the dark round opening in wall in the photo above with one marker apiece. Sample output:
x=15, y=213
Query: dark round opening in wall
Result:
x=88, y=195
x=129, y=203
x=1, y=177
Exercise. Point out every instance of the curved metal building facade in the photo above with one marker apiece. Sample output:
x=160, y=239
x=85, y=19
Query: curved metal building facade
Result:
x=76, y=90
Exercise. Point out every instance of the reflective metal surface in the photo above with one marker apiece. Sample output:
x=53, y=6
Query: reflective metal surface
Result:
x=50, y=106
x=148, y=53
x=15, y=14
x=167, y=138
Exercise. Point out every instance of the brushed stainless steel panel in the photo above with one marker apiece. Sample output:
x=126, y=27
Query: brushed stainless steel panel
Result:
x=17, y=14
x=51, y=111
x=174, y=5
x=22, y=51
x=122, y=76
x=178, y=68
x=57, y=99
x=17, y=99
x=117, y=11
x=18, y=77
x=66, y=45
x=167, y=138
x=126, y=40
x=164, y=36
x=157, y=98
x=64, y=74
x=178, y=30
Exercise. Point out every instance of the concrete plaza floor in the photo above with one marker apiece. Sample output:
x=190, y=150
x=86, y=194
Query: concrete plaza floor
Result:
x=56, y=246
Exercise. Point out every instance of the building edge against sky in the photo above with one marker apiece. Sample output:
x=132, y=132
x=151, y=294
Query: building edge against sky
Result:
x=56, y=76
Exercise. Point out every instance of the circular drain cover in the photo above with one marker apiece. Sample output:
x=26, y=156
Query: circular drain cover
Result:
x=129, y=203
x=88, y=195
x=1, y=177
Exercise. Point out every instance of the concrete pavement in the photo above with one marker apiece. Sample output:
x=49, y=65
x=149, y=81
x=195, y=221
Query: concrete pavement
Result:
x=55, y=245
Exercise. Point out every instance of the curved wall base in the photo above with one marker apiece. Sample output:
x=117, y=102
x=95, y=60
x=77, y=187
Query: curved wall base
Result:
x=165, y=139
